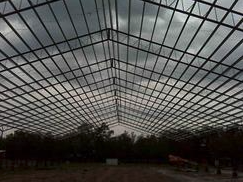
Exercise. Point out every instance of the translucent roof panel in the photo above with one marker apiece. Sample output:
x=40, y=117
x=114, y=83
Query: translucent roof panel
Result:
x=171, y=67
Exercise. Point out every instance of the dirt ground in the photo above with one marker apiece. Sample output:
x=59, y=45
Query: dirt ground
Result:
x=103, y=173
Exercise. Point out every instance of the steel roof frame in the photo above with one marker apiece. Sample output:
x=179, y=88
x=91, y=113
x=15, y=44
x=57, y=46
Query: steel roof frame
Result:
x=106, y=85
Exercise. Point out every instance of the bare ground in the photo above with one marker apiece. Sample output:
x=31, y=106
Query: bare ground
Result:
x=102, y=173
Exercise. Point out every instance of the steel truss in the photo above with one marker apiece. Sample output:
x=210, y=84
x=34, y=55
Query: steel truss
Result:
x=104, y=61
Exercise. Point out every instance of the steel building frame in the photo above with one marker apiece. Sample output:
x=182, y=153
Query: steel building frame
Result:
x=67, y=63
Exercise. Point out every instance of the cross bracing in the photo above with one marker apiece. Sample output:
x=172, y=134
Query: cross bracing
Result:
x=170, y=67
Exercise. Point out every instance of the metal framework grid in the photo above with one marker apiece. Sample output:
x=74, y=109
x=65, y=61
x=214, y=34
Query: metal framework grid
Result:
x=168, y=67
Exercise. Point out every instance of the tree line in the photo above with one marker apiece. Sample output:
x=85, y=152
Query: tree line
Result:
x=97, y=144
